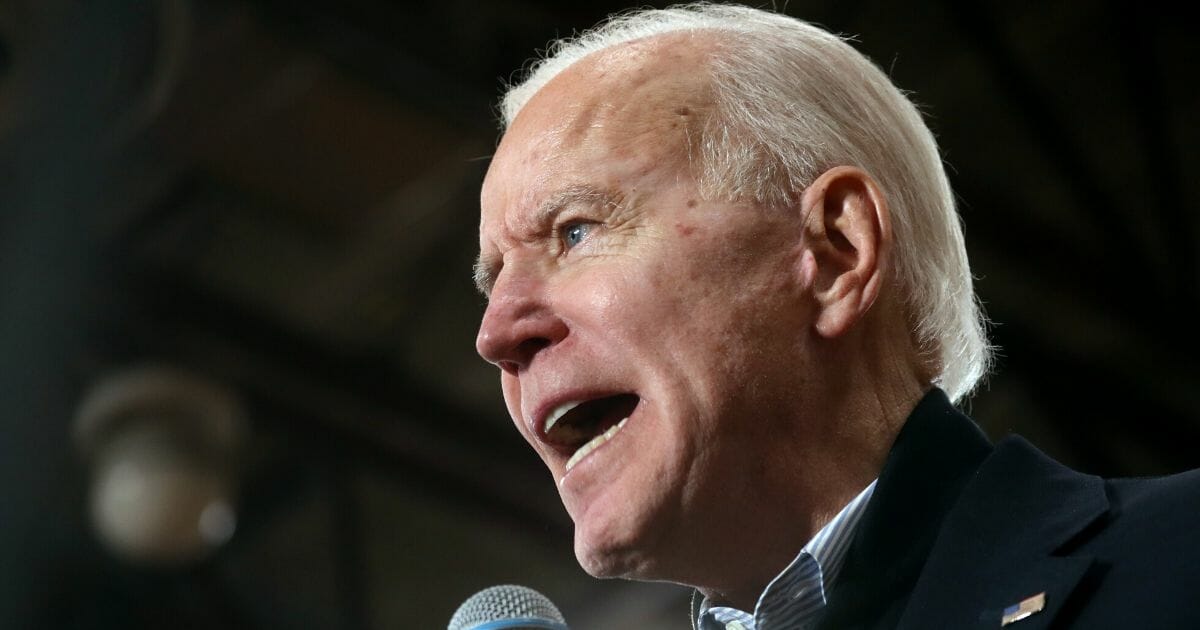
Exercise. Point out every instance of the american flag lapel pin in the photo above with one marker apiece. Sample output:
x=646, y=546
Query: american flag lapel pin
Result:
x=1023, y=609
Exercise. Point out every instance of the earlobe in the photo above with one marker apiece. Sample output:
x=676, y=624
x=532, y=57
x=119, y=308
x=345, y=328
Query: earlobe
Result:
x=848, y=241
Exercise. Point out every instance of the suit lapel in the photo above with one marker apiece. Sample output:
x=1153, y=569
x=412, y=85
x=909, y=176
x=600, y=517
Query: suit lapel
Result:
x=997, y=545
x=957, y=531
x=1052, y=578
x=933, y=458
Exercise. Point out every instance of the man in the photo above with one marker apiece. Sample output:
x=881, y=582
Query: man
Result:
x=731, y=306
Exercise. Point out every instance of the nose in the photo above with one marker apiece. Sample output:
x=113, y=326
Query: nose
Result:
x=518, y=324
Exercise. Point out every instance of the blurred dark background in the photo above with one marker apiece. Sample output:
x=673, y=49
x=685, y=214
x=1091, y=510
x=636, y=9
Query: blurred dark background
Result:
x=279, y=198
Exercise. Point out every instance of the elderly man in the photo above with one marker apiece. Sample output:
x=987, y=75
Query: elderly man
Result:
x=731, y=306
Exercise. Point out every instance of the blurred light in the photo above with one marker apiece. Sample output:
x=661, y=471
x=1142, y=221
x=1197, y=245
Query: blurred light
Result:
x=162, y=446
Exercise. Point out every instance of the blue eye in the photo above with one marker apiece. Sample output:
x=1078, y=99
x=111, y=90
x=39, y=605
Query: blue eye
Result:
x=574, y=233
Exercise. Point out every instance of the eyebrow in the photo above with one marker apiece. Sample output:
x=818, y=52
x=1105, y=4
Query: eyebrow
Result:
x=485, y=272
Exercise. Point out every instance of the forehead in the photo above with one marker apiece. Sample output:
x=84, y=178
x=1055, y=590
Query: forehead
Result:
x=619, y=114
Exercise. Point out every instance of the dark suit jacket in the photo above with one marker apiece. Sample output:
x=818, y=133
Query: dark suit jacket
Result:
x=958, y=530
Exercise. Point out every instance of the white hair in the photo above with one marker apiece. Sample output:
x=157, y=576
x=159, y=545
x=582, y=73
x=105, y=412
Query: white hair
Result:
x=791, y=101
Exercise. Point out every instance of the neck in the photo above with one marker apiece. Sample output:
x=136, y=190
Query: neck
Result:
x=819, y=463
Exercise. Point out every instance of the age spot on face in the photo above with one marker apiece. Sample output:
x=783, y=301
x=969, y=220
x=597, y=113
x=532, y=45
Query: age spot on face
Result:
x=685, y=230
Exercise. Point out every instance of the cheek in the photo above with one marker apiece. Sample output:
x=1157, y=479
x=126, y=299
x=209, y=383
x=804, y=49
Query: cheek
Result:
x=614, y=300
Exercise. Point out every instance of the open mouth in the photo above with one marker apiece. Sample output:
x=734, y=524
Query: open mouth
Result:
x=580, y=427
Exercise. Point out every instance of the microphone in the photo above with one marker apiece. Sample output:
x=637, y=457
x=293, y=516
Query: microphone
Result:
x=507, y=607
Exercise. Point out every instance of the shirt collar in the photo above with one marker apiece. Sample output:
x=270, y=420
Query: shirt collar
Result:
x=799, y=592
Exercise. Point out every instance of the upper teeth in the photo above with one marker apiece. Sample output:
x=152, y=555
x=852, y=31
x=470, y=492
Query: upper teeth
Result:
x=594, y=443
x=559, y=412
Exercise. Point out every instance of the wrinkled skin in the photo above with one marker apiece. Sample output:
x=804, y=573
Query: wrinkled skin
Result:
x=608, y=273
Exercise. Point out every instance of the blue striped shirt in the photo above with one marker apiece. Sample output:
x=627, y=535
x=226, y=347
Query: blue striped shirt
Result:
x=796, y=595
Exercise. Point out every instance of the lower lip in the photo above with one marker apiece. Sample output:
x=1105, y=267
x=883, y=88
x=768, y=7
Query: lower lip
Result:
x=599, y=447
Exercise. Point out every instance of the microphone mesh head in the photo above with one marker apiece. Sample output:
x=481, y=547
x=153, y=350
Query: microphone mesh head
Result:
x=507, y=602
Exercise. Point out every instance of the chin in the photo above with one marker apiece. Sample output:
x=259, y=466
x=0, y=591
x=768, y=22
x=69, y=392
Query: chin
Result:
x=610, y=563
x=630, y=527
x=617, y=552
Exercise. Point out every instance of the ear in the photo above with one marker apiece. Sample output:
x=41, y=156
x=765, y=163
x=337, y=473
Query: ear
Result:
x=848, y=236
